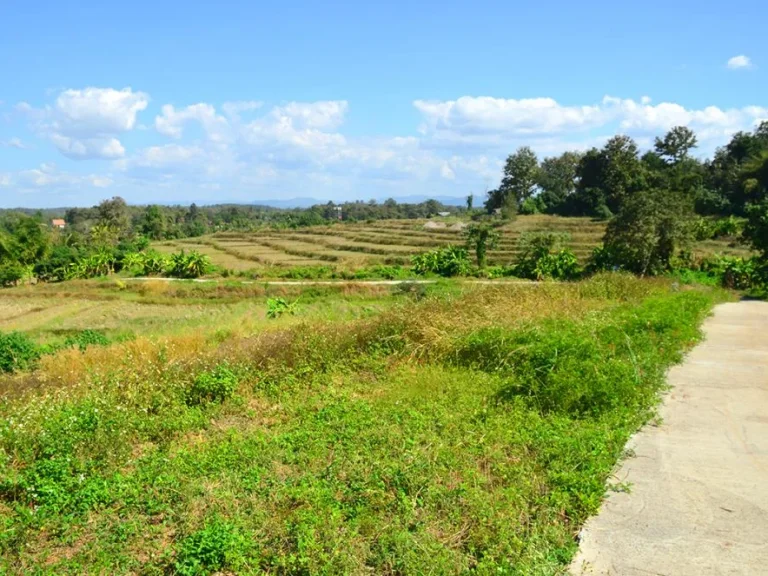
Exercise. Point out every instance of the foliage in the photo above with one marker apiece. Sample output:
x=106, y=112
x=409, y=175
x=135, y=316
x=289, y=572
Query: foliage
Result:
x=188, y=265
x=86, y=338
x=481, y=238
x=214, y=386
x=276, y=307
x=17, y=352
x=644, y=236
x=11, y=273
x=217, y=546
x=411, y=441
x=541, y=255
x=756, y=228
x=518, y=182
x=446, y=261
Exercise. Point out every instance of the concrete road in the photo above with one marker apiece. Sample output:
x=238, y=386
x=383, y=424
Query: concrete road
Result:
x=698, y=500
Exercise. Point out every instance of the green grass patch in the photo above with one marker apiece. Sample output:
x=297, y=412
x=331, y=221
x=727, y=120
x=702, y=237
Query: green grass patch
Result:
x=435, y=437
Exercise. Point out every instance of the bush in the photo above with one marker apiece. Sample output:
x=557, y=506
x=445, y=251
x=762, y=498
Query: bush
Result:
x=11, y=273
x=276, y=307
x=541, y=256
x=446, y=261
x=219, y=545
x=214, y=386
x=17, y=352
x=86, y=338
x=192, y=265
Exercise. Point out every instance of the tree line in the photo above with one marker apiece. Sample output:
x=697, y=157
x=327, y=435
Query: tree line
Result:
x=597, y=182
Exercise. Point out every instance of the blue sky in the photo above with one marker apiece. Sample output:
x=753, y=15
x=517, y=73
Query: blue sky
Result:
x=170, y=101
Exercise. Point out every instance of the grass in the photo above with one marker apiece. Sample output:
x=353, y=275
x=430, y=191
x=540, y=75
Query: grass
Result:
x=351, y=246
x=471, y=430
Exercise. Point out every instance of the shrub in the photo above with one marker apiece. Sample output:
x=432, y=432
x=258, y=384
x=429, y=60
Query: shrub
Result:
x=446, y=261
x=213, y=386
x=86, y=338
x=276, y=307
x=219, y=545
x=192, y=265
x=11, y=273
x=541, y=256
x=17, y=352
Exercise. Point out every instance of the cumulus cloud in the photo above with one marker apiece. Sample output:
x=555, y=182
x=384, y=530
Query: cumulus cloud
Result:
x=245, y=149
x=739, y=61
x=85, y=123
x=171, y=121
x=487, y=121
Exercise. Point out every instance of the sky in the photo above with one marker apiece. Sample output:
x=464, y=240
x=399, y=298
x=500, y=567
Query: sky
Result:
x=240, y=101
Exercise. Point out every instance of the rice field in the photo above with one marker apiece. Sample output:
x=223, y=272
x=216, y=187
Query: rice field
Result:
x=359, y=244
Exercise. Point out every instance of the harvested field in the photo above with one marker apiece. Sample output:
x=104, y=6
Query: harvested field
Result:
x=352, y=245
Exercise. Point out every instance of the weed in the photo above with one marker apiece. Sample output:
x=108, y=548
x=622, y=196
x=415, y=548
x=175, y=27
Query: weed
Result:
x=276, y=307
x=212, y=387
x=17, y=352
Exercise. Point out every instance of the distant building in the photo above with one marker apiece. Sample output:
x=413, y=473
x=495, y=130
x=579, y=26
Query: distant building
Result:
x=58, y=223
x=443, y=214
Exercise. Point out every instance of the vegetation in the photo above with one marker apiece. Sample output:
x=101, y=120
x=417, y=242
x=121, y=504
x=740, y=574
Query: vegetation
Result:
x=431, y=435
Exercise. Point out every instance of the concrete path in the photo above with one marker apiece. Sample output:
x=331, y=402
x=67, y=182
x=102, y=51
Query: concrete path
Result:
x=698, y=500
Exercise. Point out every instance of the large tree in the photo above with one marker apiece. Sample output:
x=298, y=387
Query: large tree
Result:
x=676, y=144
x=518, y=182
x=648, y=230
x=557, y=179
x=607, y=177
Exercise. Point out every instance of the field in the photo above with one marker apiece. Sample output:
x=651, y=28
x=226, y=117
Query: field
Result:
x=354, y=245
x=442, y=429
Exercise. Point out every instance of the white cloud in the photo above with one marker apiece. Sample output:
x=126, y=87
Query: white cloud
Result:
x=48, y=176
x=98, y=110
x=13, y=143
x=739, y=61
x=85, y=148
x=171, y=121
x=313, y=115
x=494, y=122
x=85, y=123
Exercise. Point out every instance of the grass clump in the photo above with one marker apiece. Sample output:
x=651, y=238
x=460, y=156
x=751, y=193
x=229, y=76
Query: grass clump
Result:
x=17, y=352
x=218, y=545
x=86, y=338
x=213, y=386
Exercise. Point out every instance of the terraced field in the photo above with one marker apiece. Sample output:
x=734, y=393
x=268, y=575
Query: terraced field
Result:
x=352, y=245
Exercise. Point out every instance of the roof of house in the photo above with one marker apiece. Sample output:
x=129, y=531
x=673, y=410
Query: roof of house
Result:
x=58, y=222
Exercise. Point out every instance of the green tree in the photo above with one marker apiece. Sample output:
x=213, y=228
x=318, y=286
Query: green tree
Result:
x=152, y=223
x=481, y=238
x=519, y=180
x=114, y=214
x=755, y=231
x=470, y=202
x=676, y=144
x=647, y=232
x=607, y=177
x=557, y=179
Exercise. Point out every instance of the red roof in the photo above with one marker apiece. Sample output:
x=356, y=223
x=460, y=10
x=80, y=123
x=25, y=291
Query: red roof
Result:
x=58, y=222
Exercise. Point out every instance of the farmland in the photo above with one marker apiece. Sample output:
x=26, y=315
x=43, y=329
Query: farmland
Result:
x=464, y=427
x=355, y=245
